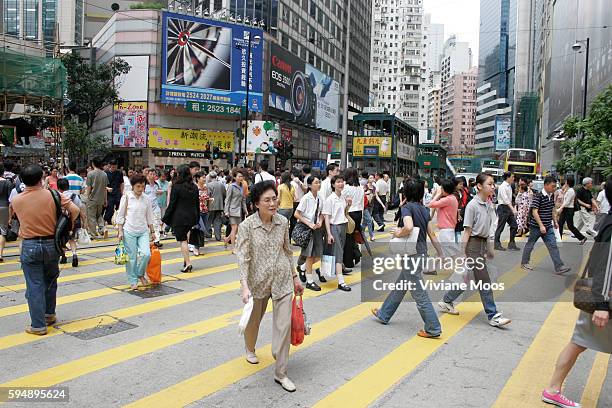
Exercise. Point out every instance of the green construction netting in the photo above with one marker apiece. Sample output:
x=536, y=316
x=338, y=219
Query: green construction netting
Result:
x=29, y=75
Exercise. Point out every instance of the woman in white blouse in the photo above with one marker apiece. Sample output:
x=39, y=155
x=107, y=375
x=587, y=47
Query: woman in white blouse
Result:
x=566, y=211
x=308, y=212
x=355, y=192
x=135, y=221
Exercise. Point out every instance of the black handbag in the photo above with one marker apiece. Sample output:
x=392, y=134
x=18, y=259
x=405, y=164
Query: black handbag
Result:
x=583, y=293
x=302, y=233
x=197, y=237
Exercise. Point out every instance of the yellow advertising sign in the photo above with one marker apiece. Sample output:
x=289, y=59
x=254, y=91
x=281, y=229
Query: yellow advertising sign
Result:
x=372, y=146
x=190, y=139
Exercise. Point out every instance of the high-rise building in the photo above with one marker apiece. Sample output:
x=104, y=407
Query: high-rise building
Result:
x=456, y=57
x=433, y=115
x=496, y=62
x=35, y=20
x=397, y=79
x=458, y=112
x=433, y=40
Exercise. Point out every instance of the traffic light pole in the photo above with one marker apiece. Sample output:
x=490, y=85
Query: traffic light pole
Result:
x=246, y=109
x=343, y=148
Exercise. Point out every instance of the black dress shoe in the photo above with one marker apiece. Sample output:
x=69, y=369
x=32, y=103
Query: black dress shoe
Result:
x=513, y=247
x=321, y=277
x=63, y=260
x=346, y=271
x=313, y=286
x=301, y=274
x=75, y=261
x=344, y=287
x=499, y=248
x=158, y=244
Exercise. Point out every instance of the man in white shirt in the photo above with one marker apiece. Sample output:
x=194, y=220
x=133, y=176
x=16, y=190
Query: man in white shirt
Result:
x=263, y=174
x=380, y=201
x=326, y=189
x=604, y=207
x=506, y=213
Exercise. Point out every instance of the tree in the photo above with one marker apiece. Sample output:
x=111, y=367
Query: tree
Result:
x=147, y=5
x=79, y=143
x=588, y=142
x=92, y=87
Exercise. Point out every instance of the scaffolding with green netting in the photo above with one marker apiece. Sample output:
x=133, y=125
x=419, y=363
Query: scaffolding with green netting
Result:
x=23, y=75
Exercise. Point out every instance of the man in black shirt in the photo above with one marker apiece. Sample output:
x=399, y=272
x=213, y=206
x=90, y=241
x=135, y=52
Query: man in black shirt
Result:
x=541, y=221
x=587, y=206
x=115, y=190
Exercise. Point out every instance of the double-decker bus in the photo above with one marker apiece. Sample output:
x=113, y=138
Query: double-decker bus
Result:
x=521, y=162
x=493, y=167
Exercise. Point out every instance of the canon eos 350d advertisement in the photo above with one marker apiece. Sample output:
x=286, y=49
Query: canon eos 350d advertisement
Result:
x=301, y=93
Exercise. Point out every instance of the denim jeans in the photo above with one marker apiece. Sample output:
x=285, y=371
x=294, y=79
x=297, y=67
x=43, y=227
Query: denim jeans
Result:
x=139, y=253
x=40, y=263
x=421, y=298
x=205, y=222
x=368, y=222
x=475, y=249
x=549, y=240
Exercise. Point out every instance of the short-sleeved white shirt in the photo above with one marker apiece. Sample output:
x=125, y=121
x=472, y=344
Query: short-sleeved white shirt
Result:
x=356, y=194
x=308, y=206
x=334, y=207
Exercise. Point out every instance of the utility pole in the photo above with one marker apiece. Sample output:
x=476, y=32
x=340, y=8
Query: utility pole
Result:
x=343, y=149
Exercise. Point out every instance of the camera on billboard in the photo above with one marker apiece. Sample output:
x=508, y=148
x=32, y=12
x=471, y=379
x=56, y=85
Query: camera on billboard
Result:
x=303, y=99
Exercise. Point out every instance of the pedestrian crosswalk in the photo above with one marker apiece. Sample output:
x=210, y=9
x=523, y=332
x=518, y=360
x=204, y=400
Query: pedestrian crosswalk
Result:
x=196, y=328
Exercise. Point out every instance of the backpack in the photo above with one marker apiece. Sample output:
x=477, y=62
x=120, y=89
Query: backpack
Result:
x=63, y=226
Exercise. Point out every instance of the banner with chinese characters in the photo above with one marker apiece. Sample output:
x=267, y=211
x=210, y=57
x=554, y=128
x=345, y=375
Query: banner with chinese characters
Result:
x=130, y=124
x=190, y=139
x=371, y=146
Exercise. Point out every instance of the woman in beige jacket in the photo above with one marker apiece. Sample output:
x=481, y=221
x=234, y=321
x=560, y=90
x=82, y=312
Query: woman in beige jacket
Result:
x=266, y=267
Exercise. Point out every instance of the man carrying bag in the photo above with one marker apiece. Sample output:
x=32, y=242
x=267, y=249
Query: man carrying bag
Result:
x=36, y=210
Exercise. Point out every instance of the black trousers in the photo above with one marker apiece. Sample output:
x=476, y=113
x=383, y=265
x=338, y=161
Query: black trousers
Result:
x=505, y=215
x=567, y=215
x=378, y=211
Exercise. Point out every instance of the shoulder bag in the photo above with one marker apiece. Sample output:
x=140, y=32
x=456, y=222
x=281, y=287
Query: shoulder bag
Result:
x=302, y=233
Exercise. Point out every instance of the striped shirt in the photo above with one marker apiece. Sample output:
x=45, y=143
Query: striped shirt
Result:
x=544, y=203
x=76, y=183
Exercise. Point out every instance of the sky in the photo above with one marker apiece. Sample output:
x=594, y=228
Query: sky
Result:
x=460, y=17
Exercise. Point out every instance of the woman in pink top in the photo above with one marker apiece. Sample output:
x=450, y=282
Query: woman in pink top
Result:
x=447, y=205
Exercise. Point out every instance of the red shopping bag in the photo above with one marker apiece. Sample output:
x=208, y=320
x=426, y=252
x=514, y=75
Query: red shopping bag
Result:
x=297, y=322
x=154, y=266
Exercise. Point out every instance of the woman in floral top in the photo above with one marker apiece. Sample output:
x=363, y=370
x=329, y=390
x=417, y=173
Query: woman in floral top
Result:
x=522, y=205
x=205, y=200
x=265, y=260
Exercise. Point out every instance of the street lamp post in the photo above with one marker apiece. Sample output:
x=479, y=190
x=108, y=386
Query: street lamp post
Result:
x=577, y=47
x=254, y=40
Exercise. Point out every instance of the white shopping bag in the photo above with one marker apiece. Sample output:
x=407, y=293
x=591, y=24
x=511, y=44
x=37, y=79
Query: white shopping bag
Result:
x=558, y=237
x=328, y=266
x=246, y=315
x=83, y=237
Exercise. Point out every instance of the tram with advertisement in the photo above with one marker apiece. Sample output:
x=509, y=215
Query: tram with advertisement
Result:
x=493, y=167
x=522, y=162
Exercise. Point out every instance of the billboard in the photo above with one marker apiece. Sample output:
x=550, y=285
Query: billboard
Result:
x=130, y=124
x=301, y=93
x=190, y=139
x=134, y=86
x=371, y=146
x=206, y=61
x=261, y=136
x=502, y=132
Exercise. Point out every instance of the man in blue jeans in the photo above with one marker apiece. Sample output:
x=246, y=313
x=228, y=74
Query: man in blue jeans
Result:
x=541, y=220
x=37, y=214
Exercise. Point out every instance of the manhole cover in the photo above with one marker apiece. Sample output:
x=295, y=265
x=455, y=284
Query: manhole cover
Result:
x=101, y=331
x=155, y=291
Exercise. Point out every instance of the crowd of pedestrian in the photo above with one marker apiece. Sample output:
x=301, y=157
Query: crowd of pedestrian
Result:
x=261, y=215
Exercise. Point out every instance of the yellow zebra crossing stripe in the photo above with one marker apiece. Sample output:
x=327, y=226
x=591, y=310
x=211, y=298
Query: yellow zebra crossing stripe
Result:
x=89, y=364
x=88, y=262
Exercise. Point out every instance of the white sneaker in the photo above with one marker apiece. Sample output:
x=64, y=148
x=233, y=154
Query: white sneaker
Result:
x=527, y=267
x=251, y=357
x=286, y=383
x=498, y=320
x=191, y=247
x=447, y=308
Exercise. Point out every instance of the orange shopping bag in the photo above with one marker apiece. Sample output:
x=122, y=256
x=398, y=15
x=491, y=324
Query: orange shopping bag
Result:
x=154, y=266
x=297, y=322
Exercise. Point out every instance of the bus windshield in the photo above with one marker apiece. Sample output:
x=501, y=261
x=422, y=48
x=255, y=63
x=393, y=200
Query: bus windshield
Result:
x=525, y=156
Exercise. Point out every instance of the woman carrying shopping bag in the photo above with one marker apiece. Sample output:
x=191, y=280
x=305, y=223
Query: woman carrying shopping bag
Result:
x=308, y=214
x=414, y=214
x=135, y=223
x=266, y=268
x=334, y=208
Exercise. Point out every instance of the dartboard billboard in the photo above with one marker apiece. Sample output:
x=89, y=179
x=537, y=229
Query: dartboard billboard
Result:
x=207, y=61
x=301, y=93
